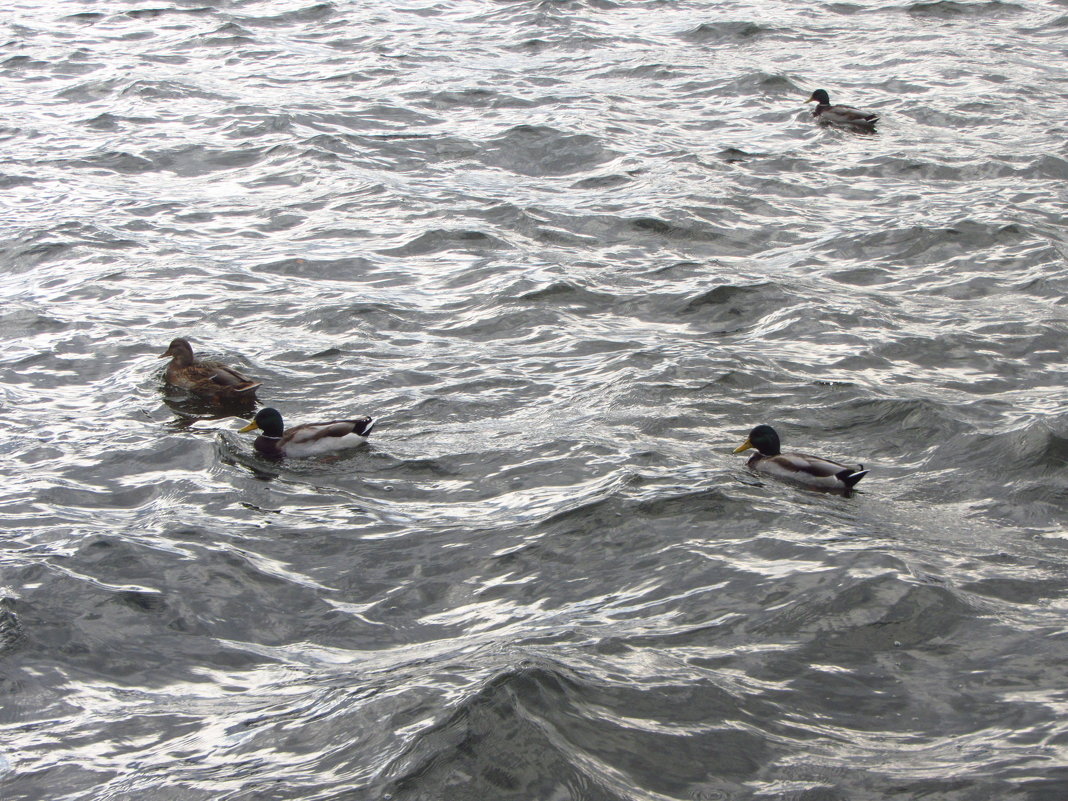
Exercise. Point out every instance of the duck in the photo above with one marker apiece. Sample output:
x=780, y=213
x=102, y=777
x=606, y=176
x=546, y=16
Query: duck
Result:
x=210, y=380
x=840, y=115
x=812, y=471
x=309, y=439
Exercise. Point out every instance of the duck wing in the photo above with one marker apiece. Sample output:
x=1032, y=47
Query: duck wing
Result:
x=225, y=376
x=315, y=432
x=847, y=115
x=812, y=470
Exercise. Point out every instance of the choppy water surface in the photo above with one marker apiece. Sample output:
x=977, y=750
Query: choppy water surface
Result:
x=569, y=253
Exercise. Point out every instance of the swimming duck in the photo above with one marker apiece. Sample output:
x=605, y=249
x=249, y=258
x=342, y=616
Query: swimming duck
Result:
x=840, y=115
x=812, y=471
x=308, y=439
x=212, y=381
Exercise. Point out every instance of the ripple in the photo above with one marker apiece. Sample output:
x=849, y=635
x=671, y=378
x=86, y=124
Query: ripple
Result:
x=442, y=240
x=948, y=9
x=717, y=32
x=582, y=747
x=540, y=150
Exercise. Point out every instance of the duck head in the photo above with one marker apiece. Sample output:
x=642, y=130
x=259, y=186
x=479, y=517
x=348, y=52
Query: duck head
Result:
x=268, y=420
x=181, y=351
x=764, y=439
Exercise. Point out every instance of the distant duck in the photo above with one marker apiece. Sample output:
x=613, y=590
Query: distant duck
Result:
x=812, y=471
x=840, y=115
x=309, y=439
x=212, y=381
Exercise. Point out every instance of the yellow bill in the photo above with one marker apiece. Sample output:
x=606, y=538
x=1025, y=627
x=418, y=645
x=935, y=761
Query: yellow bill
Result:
x=743, y=447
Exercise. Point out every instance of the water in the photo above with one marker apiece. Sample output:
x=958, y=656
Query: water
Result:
x=569, y=254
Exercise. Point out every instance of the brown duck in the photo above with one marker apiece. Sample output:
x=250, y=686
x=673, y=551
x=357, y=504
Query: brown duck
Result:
x=212, y=381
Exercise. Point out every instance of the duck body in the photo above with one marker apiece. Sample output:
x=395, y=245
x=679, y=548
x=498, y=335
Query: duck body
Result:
x=846, y=116
x=309, y=439
x=207, y=379
x=802, y=468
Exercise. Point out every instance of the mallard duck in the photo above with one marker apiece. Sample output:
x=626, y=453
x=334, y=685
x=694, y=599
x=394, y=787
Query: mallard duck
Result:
x=840, y=115
x=308, y=439
x=811, y=471
x=210, y=380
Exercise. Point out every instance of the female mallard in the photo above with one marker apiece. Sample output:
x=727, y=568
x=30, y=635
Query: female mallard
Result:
x=210, y=380
x=811, y=471
x=840, y=115
x=308, y=439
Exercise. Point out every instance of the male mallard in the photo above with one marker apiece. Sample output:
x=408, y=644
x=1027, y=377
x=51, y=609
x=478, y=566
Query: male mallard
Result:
x=811, y=471
x=840, y=115
x=308, y=439
x=210, y=380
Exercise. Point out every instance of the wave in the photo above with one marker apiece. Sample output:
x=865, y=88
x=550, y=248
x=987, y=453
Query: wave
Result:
x=732, y=31
x=439, y=241
x=949, y=9
x=545, y=151
x=10, y=629
x=542, y=730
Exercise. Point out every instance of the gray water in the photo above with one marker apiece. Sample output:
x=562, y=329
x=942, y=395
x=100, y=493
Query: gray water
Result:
x=568, y=253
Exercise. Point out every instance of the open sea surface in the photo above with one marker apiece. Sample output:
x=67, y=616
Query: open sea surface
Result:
x=568, y=253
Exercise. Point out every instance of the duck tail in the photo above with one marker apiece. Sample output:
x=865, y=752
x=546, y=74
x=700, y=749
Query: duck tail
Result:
x=850, y=477
x=249, y=387
x=363, y=427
